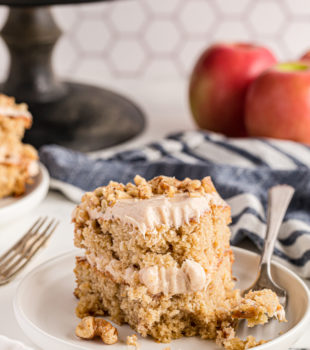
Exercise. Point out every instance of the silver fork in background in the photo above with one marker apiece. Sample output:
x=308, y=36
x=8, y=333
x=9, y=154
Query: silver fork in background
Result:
x=19, y=255
x=279, y=198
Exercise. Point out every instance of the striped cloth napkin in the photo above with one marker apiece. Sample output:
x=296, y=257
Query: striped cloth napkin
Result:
x=242, y=170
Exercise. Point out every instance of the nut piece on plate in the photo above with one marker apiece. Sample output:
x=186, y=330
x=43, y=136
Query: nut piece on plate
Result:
x=132, y=340
x=90, y=327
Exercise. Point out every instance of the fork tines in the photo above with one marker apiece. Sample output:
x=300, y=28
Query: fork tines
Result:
x=16, y=258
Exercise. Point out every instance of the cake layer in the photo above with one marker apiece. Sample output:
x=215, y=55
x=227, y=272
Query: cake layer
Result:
x=205, y=242
x=202, y=237
x=190, y=277
x=161, y=316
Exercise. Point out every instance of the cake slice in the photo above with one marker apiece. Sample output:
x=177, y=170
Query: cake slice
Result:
x=18, y=162
x=157, y=256
x=14, y=118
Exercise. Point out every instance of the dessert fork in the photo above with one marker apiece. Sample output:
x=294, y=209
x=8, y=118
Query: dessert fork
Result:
x=19, y=255
x=279, y=198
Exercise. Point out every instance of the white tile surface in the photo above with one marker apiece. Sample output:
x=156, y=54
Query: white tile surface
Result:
x=296, y=37
x=230, y=8
x=161, y=37
x=127, y=18
x=92, y=36
x=267, y=18
x=202, y=12
x=167, y=30
x=121, y=62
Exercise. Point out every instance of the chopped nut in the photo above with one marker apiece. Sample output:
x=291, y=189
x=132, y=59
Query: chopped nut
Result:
x=89, y=327
x=194, y=185
x=86, y=329
x=207, y=184
x=132, y=340
x=106, y=331
x=139, y=180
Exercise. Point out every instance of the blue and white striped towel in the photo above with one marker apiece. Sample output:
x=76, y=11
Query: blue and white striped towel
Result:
x=242, y=171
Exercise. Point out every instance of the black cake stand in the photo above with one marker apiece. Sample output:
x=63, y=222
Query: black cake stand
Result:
x=79, y=116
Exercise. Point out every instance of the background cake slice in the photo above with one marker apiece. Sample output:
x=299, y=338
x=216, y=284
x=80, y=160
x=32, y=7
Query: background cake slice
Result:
x=157, y=256
x=14, y=118
x=18, y=162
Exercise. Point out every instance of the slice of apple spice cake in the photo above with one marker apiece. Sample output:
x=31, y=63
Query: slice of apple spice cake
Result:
x=18, y=161
x=157, y=256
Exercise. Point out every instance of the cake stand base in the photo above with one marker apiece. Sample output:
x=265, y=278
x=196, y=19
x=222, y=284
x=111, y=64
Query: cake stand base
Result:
x=86, y=118
x=82, y=117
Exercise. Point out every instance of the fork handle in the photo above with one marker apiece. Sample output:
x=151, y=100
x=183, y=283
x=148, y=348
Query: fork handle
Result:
x=279, y=198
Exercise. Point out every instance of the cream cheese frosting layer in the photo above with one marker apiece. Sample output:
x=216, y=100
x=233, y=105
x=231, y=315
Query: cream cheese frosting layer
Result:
x=191, y=277
x=147, y=214
x=14, y=112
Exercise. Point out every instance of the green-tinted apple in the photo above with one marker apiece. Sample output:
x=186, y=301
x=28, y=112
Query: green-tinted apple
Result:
x=278, y=103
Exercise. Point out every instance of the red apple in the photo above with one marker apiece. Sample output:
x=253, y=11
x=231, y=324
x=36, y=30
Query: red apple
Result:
x=278, y=103
x=219, y=83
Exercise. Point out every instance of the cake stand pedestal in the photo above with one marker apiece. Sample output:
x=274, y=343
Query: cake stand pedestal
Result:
x=79, y=116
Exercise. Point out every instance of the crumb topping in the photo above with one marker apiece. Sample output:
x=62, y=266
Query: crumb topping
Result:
x=143, y=189
x=9, y=108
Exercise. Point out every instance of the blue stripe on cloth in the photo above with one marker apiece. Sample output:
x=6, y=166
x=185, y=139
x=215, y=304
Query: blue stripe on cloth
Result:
x=239, y=151
x=294, y=235
x=294, y=159
x=259, y=242
x=247, y=210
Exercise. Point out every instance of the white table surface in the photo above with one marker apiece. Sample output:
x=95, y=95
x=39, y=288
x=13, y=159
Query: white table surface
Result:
x=165, y=104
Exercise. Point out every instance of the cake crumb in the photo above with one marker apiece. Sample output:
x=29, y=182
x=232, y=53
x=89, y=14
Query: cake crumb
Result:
x=258, y=306
x=239, y=344
x=227, y=338
x=132, y=340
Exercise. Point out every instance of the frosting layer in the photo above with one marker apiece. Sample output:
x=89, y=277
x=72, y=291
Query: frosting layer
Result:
x=14, y=112
x=191, y=277
x=147, y=214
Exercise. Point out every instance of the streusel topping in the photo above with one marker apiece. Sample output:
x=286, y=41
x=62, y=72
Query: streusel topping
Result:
x=143, y=189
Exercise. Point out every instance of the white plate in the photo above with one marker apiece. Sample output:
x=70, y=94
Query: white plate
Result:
x=10, y=344
x=34, y=194
x=44, y=306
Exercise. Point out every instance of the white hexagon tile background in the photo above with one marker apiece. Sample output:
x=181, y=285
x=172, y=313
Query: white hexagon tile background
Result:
x=144, y=39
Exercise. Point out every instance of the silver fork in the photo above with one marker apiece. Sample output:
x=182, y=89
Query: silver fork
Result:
x=279, y=198
x=19, y=255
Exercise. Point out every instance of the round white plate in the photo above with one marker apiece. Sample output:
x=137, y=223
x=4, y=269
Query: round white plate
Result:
x=44, y=306
x=10, y=344
x=34, y=194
